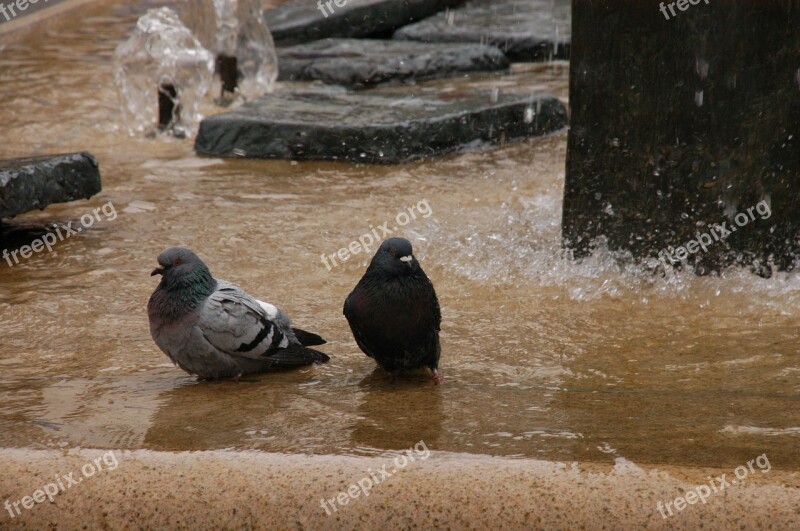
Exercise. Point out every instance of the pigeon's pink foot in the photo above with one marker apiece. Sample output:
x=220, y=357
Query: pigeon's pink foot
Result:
x=438, y=378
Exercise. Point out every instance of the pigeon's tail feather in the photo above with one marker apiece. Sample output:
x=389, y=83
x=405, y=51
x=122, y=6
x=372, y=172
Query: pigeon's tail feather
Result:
x=297, y=355
x=319, y=357
x=308, y=339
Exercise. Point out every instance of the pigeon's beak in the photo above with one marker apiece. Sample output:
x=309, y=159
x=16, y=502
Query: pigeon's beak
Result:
x=158, y=271
x=407, y=259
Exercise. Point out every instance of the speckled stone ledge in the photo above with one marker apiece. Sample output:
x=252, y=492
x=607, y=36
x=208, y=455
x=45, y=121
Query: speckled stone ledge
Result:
x=234, y=490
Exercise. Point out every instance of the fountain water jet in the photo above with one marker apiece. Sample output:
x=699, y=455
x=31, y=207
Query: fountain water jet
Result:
x=162, y=61
x=235, y=31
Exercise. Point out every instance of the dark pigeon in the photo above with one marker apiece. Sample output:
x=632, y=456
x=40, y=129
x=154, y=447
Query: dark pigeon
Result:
x=393, y=312
x=213, y=329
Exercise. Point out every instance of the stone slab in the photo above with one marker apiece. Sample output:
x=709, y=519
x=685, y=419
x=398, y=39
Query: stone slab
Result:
x=331, y=123
x=364, y=62
x=36, y=182
x=526, y=30
x=303, y=21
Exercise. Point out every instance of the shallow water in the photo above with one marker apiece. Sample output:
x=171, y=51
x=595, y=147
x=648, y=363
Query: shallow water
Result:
x=543, y=357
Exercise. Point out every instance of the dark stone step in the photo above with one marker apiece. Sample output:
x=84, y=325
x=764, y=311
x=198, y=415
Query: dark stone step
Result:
x=333, y=124
x=303, y=21
x=36, y=182
x=361, y=62
x=526, y=30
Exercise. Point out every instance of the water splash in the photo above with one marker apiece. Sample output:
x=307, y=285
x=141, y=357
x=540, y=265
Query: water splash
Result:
x=236, y=28
x=161, y=52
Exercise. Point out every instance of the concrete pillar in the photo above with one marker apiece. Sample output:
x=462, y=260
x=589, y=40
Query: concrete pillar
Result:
x=684, y=115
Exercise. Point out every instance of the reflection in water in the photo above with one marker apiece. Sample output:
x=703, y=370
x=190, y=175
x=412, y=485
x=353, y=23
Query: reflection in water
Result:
x=95, y=413
x=402, y=413
x=260, y=412
x=542, y=357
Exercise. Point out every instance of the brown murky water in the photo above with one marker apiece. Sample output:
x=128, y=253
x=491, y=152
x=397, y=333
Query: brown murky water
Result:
x=543, y=357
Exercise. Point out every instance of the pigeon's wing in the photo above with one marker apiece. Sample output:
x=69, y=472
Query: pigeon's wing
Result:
x=237, y=324
x=240, y=326
x=352, y=320
x=307, y=339
x=275, y=314
x=434, y=345
x=437, y=311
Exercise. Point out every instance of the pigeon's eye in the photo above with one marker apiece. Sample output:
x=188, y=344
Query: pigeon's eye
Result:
x=178, y=261
x=392, y=252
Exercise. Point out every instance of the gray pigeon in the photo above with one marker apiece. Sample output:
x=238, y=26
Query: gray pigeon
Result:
x=215, y=330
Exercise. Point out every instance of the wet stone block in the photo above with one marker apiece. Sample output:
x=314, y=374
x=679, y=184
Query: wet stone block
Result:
x=36, y=182
x=362, y=62
x=526, y=30
x=334, y=124
x=304, y=20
